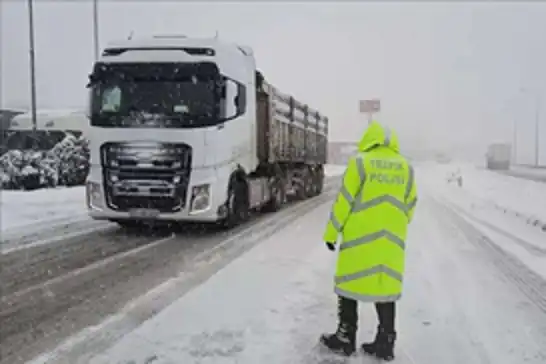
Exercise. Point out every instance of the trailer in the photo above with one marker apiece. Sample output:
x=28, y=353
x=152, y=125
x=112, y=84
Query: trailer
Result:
x=188, y=129
x=498, y=156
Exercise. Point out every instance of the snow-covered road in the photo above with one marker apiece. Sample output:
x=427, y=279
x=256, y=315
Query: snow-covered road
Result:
x=475, y=288
x=466, y=301
x=512, y=211
x=52, y=289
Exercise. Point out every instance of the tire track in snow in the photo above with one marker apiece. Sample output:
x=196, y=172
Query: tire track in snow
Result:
x=32, y=267
x=63, y=303
x=531, y=248
x=35, y=236
x=526, y=280
x=194, y=271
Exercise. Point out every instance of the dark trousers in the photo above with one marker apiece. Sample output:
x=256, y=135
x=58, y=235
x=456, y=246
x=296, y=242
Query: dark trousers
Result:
x=348, y=313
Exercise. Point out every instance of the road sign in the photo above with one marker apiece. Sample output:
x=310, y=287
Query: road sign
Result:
x=370, y=106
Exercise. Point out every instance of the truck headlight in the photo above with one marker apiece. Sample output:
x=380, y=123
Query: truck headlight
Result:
x=94, y=195
x=200, y=198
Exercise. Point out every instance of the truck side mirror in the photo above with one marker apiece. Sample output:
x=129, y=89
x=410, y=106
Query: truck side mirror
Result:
x=92, y=80
x=240, y=99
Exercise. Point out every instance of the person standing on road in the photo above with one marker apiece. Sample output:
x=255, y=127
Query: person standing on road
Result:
x=372, y=212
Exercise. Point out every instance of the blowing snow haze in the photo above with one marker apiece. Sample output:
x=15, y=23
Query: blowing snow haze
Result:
x=449, y=75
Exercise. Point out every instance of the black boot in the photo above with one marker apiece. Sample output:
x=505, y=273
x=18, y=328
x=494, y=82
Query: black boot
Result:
x=343, y=341
x=383, y=345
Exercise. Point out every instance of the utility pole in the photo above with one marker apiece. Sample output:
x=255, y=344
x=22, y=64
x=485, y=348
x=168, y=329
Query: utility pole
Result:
x=32, y=71
x=96, y=28
x=515, y=142
x=537, y=129
x=537, y=94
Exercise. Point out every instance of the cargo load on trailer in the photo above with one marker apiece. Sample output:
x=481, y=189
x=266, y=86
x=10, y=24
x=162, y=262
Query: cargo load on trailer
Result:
x=186, y=129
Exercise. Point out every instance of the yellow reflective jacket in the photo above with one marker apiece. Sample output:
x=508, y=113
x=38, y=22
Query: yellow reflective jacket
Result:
x=372, y=212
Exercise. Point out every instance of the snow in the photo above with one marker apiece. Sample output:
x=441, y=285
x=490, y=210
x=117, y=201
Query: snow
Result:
x=537, y=174
x=24, y=210
x=67, y=164
x=526, y=244
x=541, y=171
x=511, y=211
x=526, y=197
x=334, y=170
x=271, y=304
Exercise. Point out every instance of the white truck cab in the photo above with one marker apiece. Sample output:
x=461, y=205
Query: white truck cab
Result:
x=173, y=131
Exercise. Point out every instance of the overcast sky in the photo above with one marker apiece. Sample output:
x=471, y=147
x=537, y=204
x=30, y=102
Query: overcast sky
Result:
x=449, y=75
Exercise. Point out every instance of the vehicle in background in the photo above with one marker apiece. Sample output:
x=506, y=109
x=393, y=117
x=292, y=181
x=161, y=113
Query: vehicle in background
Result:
x=52, y=126
x=443, y=158
x=498, y=156
x=6, y=115
x=187, y=129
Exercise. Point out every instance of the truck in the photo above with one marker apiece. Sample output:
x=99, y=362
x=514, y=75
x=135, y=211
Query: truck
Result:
x=187, y=129
x=498, y=156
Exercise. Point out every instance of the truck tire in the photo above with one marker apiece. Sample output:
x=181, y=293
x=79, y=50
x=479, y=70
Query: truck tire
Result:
x=318, y=182
x=310, y=184
x=302, y=189
x=278, y=197
x=237, y=206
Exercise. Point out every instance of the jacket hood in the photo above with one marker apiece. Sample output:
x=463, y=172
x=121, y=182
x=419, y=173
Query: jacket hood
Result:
x=378, y=135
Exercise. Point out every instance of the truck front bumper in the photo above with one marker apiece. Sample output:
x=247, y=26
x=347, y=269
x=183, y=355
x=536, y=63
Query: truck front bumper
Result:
x=205, y=200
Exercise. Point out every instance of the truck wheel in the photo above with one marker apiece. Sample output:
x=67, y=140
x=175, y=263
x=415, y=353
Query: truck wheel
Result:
x=305, y=190
x=311, y=184
x=278, y=196
x=301, y=193
x=237, y=206
x=319, y=183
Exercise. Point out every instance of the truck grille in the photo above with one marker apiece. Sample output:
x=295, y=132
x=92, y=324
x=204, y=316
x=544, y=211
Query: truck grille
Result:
x=146, y=175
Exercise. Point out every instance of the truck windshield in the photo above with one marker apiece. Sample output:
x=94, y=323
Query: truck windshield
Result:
x=142, y=97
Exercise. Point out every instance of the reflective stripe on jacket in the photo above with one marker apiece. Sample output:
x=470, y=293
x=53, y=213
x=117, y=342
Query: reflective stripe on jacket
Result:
x=372, y=211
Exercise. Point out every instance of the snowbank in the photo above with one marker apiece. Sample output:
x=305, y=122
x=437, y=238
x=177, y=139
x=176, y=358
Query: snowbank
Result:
x=523, y=199
x=23, y=210
x=510, y=211
x=536, y=174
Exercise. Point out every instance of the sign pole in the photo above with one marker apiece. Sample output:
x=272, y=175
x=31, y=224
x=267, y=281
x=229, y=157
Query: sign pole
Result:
x=370, y=108
x=96, y=47
x=32, y=72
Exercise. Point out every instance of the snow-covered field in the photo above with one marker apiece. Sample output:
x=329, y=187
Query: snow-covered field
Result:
x=271, y=304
